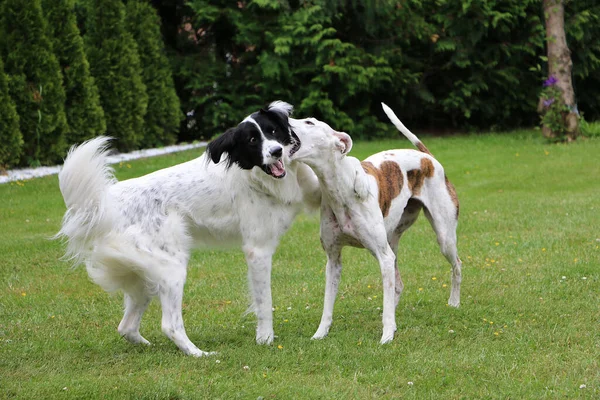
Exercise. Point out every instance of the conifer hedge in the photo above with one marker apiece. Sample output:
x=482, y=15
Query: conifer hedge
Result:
x=10, y=135
x=84, y=113
x=163, y=114
x=35, y=82
x=115, y=63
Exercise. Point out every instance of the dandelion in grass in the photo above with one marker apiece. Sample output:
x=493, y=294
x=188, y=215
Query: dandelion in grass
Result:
x=433, y=278
x=280, y=347
x=420, y=289
x=444, y=285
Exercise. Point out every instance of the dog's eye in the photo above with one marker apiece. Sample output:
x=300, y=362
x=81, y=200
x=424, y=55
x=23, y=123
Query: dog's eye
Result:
x=307, y=122
x=252, y=139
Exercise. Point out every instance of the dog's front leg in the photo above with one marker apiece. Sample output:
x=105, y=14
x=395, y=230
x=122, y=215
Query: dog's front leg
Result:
x=259, y=278
x=333, y=272
x=386, y=263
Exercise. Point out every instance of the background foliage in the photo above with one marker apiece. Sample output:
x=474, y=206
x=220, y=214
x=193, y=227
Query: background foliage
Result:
x=443, y=65
x=163, y=113
x=35, y=80
x=446, y=65
x=84, y=113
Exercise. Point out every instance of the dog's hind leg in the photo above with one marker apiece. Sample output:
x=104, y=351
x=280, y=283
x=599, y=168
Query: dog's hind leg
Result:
x=333, y=272
x=444, y=222
x=170, y=292
x=399, y=287
x=137, y=299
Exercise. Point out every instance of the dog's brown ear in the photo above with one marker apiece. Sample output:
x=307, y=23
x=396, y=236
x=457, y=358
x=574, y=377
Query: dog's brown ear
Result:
x=343, y=142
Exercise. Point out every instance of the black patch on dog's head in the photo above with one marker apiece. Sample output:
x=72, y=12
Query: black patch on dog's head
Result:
x=244, y=143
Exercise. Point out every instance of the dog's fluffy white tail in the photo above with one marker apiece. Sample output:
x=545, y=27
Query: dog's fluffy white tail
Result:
x=404, y=130
x=84, y=180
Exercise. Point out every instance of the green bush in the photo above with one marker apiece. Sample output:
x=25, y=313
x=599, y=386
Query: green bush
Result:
x=84, y=113
x=442, y=65
x=115, y=63
x=164, y=114
x=35, y=81
x=10, y=135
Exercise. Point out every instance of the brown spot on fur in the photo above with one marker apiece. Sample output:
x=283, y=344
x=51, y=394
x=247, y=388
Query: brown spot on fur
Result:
x=423, y=149
x=416, y=177
x=389, y=181
x=453, y=196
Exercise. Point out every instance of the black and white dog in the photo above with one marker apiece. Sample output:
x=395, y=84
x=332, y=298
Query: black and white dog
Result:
x=136, y=235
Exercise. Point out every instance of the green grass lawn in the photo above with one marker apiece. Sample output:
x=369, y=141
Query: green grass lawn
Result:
x=528, y=326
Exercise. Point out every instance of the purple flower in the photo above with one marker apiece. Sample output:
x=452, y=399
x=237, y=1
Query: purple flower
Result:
x=550, y=81
x=548, y=103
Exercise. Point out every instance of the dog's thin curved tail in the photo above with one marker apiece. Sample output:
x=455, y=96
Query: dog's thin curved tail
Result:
x=404, y=130
x=84, y=180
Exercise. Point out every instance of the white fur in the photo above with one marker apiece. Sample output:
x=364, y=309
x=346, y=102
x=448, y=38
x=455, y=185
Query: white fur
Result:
x=350, y=215
x=136, y=235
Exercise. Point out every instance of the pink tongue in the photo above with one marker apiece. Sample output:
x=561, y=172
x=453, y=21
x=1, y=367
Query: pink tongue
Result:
x=277, y=168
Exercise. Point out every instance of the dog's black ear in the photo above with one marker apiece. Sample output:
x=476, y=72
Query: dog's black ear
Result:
x=281, y=107
x=222, y=144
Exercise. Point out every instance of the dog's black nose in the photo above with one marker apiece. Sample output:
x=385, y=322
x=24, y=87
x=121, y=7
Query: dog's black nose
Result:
x=276, y=151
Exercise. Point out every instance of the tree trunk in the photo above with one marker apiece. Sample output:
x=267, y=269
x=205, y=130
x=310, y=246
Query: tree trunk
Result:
x=560, y=64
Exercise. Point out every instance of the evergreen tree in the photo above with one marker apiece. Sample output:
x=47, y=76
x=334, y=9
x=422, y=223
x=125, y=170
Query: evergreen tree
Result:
x=115, y=63
x=164, y=114
x=35, y=81
x=10, y=135
x=84, y=113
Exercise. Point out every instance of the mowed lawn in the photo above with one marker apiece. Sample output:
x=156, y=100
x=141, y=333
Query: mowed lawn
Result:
x=528, y=326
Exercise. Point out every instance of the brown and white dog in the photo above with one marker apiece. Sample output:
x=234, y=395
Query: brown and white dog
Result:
x=372, y=203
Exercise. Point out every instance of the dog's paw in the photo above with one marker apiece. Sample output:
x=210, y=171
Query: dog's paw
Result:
x=454, y=302
x=199, y=353
x=321, y=332
x=319, y=335
x=388, y=336
x=265, y=338
x=136, y=338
